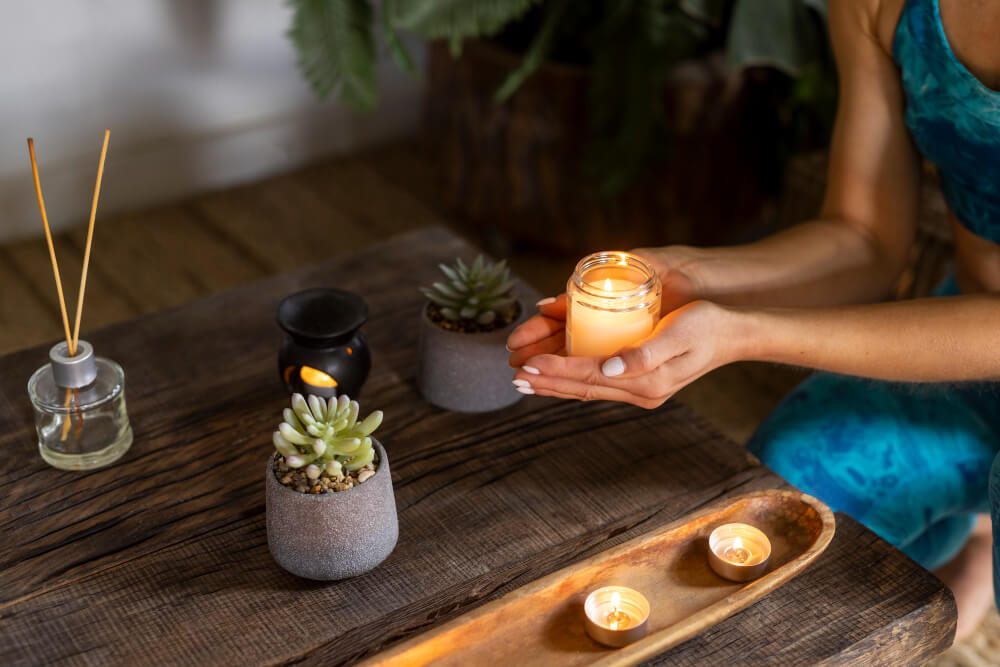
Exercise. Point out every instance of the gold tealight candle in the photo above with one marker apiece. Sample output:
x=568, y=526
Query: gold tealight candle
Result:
x=738, y=552
x=616, y=615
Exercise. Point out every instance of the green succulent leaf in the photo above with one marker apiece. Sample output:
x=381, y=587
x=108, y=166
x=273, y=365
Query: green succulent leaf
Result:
x=371, y=422
x=472, y=291
x=450, y=272
x=317, y=406
x=361, y=460
x=334, y=435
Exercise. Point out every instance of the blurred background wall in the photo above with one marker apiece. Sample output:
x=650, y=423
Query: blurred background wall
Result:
x=198, y=94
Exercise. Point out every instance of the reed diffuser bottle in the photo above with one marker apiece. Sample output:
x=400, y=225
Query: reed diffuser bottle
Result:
x=79, y=399
x=80, y=414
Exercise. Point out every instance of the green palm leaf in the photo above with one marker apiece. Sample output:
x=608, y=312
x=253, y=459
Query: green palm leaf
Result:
x=336, y=48
x=454, y=19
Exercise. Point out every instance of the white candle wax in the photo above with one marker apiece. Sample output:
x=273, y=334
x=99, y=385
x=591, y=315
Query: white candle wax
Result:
x=595, y=332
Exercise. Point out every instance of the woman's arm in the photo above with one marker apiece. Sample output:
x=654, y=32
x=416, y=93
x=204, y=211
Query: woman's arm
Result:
x=941, y=339
x=924, y=340
x=856, y=249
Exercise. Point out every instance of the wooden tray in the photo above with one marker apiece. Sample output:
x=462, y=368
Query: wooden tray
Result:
x=542, y=623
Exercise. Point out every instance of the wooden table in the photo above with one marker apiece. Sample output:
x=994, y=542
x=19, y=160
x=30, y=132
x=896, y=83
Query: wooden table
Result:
x=162, y=558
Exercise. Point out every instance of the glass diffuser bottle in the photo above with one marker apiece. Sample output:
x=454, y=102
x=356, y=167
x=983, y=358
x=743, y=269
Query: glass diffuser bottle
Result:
x=613, y=301
x=80, y=413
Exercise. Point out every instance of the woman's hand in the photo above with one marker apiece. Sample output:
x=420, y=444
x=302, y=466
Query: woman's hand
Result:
x=687, y=343
x=677, y=268
x=545, y=333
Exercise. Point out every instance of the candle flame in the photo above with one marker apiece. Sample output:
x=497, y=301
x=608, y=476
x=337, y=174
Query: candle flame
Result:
x=737, y=553
x=607, y=285
x=616, y=600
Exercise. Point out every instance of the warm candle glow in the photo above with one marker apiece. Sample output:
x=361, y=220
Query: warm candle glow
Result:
x=616, y=615
x=616, y=618
x=614, y=301
x=737, y=553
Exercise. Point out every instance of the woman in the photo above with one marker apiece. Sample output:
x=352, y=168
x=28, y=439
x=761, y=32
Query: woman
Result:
x=902, y=426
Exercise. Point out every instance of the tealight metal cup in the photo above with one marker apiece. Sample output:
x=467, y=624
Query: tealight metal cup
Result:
x=632, y=603
x=753, y=540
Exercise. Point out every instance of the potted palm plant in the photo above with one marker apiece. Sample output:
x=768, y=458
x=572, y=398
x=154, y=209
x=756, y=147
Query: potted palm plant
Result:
x=558, y=120
x=462, y=358
x=331, y=512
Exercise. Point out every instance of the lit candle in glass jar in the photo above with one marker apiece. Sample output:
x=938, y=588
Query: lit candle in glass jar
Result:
x=613, y=301
x=738, y=552
x=616, y=615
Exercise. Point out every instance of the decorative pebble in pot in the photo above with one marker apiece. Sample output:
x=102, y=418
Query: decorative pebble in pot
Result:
x=324, y=353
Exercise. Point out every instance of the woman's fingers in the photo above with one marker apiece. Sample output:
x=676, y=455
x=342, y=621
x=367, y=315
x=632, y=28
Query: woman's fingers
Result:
x=575, y=374
x=550, y=320
x=554, y=344
x=542, y=385
x=553, y=306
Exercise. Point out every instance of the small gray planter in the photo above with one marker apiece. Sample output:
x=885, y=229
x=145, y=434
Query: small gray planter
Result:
x=465, y=372
x=330, y=536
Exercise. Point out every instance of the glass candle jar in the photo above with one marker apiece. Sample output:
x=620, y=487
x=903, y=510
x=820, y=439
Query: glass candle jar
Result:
x=79, y=404
x=613, y=300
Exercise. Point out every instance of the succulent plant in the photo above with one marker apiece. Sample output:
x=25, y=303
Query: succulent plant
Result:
x=479, y=292
x=326, y=435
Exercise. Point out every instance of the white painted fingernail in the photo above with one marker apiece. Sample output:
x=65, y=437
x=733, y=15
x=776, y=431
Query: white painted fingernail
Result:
x=521, y=383
x=531, y=369
x=546, y=301
x=526, y=390
x=613, y=367
x=507, y=347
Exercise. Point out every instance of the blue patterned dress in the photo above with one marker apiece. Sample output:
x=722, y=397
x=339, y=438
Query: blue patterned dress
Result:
x=913, y=462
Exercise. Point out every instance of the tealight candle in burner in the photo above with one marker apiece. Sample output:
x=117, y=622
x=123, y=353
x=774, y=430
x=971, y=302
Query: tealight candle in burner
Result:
x=738, y=552
x=616, y=615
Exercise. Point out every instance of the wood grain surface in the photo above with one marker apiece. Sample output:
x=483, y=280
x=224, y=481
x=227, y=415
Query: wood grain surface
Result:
x=162, y=558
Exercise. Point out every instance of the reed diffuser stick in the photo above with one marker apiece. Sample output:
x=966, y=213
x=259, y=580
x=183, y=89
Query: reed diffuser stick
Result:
x=52, y=248
x=90, y=239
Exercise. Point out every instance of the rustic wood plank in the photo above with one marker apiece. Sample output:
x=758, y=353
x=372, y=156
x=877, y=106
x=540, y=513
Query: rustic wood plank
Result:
x=24, y=317
x=165, y=257
x=105, y=303
x=367, y=198
x=162, y=556
x=409, y=166
x=283, y=224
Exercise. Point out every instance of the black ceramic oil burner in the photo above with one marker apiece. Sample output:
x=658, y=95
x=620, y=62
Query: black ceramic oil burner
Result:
x=324, y=352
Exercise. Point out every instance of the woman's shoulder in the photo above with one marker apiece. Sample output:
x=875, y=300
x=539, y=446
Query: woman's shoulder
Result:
x=885, y=19
x=877, y=19
x=864, y=20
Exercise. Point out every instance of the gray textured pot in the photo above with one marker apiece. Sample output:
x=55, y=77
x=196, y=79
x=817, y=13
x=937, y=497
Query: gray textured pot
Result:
x=332, y=536
x=465, y=372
